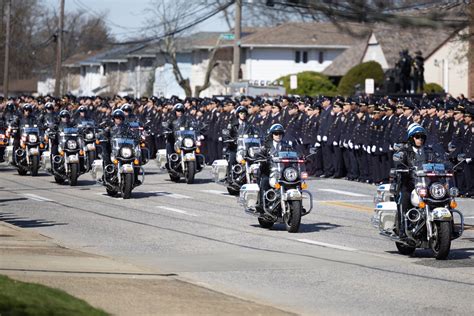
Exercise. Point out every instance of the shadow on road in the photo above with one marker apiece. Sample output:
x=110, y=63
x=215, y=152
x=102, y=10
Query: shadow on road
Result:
x=23, y=222
x=306, y=228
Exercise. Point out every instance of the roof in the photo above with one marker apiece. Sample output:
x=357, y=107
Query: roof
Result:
x=348, y=59
x=74, y=60
x=114, y=54
x=314, y=34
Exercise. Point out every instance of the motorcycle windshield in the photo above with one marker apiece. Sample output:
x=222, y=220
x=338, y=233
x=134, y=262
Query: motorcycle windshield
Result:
x=123, y=142
x=70, y=131
x=248, y=142
x=87, y=123
x=185, y=134
x=30, y=130
x=292, y=155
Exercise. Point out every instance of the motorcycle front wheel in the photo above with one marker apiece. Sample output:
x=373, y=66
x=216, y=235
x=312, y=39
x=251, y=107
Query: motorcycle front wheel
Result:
x=191, y=172
x=34, y=166
x=74, y=174
x=127, y=185
x=292, y=218
x=441, y=242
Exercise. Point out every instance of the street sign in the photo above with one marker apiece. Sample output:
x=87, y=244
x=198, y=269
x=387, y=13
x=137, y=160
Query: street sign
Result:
x=369, y=86
x=228, y=36
x=293, y=82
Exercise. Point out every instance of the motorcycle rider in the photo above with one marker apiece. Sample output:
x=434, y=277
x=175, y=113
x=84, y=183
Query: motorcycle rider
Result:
x=178, y=121
x=273, y=145
x=49, y=118
x=64, y=122
x=27, y=118
x=413, y=153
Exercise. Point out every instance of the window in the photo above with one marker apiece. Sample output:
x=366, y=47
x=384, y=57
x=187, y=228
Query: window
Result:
x=305, y=57
x=321, y=57
x=301, y=56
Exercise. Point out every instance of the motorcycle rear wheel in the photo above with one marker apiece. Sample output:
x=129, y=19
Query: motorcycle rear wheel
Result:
x=404, y=249
x=264, y=223
x=127, y=185
x=292, y=219
x=441, y=243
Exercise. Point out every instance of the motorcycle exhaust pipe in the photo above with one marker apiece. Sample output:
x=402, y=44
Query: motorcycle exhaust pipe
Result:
x=271, y=195
x=237, y=169
x=110, y=169
x=174, y=157
x=413, y=215
x=20, y=152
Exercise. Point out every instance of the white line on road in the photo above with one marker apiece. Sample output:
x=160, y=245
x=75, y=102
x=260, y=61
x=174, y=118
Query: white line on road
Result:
x=342, y=192
x=347, y=201
x=168, y=194
x=37, y=197
x=323, y=244
x=469, y=217
x=175, y=210
x=221, y=193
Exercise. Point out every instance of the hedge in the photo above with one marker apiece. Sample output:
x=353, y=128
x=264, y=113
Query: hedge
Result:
x=310, y=83
x=358, y=74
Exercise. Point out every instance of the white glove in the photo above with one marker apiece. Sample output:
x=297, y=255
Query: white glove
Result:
x=351, y=145
x=390, y=148
x=325, y=138
x=373, y=148
x=317, y=145
x=363, y=147
x=318, y=138
x=301, y=140
x=219, y=139
x=380, y=149
x=345, y=144
x=334, y=143
x=340, y=143
x=357, y=147
x=368, y=149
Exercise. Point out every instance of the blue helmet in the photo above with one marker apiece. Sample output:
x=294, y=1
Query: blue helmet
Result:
x=414, y=129
x=276, y=128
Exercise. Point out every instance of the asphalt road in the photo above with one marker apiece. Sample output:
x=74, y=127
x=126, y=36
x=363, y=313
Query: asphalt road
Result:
x=337, y=263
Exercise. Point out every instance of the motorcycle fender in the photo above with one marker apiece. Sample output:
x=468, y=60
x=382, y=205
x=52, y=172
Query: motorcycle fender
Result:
x=127, y=168
x=72, y=159
x=91, y=147
x=292, y=195
x=441, y=214
x=189, y=157
x=34, y=151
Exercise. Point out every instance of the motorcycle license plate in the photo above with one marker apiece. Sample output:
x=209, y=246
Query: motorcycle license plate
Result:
x=73, y=159
x=90, y=147
x=189, y=157
x=127, y=168
x=34, y=151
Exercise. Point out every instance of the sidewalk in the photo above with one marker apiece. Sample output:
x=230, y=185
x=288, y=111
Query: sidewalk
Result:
x=116, y=287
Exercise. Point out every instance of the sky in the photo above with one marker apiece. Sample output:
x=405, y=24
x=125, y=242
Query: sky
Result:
x=126, y=17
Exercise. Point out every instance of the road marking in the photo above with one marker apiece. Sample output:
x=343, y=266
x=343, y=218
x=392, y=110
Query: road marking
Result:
x=37, y=197
x=355, y=207
x=323, y=244
x=168, y=194
x=343, y=192
x=469, y=217
x=221, y=193
x=342, y=201
x=175, y=210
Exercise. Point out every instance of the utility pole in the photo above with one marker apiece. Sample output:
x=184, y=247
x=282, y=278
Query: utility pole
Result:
x=59, y=50
x=7, y=50
x=237, y=31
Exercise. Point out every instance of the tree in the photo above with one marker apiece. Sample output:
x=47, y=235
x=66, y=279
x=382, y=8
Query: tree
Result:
x=310, y=83
x=357, y=75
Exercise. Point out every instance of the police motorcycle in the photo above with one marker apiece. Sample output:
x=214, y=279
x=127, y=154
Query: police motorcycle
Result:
x=186, y=160
x=246, y=168
x=27, y=156
x=88, y=130
x=430, y=222
x=120, y=176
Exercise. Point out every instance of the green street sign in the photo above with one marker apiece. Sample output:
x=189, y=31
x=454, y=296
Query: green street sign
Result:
x=228, y=37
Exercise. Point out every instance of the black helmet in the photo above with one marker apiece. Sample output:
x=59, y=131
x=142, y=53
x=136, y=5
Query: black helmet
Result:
x=118, y=114
x=10, y=107
x=27, y=107
x=241, y=109
x=126, y=108
x=64, y=113
x=49, y=106
x=179, y=107
x=277, y=128
x=82, y=109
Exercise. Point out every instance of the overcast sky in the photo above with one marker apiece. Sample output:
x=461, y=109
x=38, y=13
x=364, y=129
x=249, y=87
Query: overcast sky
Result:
x=126, y=17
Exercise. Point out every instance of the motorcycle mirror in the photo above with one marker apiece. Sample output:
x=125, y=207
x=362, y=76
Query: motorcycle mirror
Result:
x=461, y=157
x=468, y=160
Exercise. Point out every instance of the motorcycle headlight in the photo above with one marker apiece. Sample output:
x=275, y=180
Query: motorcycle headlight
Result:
x=71, y=144
x=290, y=174
x=437, y=191
x=188, y=142
x=32, y=138
x=89, y=135
x=239, y=157
x=126, y=152
x=453, y=192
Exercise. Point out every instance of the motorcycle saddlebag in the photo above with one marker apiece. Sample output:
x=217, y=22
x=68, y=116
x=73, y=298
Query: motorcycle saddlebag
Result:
x=8, y=155
x=97, y=170
x=46, y=160
x=249, y=195
x=161, y=158
x=384, y=216
x=219, y=170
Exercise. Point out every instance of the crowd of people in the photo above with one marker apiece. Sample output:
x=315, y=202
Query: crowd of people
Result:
x=352, y=138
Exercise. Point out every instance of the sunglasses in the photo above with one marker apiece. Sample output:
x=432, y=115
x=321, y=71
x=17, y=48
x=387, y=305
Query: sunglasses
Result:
x=418, y=136
x=278, y=134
